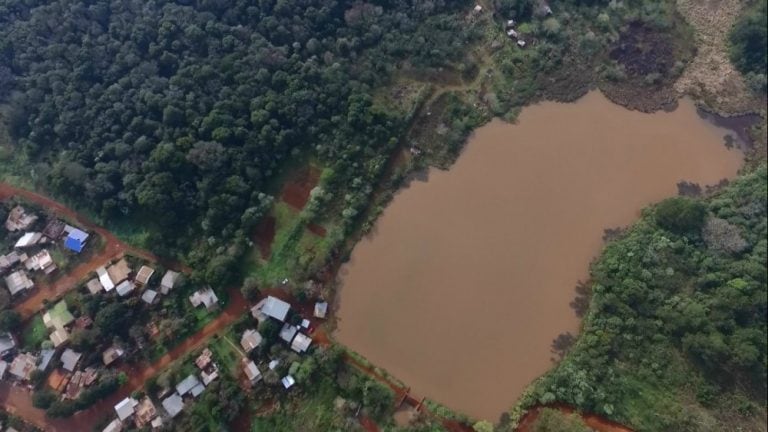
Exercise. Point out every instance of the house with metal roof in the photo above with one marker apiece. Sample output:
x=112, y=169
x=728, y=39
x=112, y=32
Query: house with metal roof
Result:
x=104, y=279
x=173, y=405
x=119, y=271
x=169, y=279
x=23, y=365
x=288, y=332
x=28, y=239
x=144, y=274
x=250, y=340
x=186, y=385
x=321, y=309
x=149, y=296
x=94, y=286
x=206, y=297
x=18, y=282
x=69, y=359
x=124, y=408
x=75, y=240
x=275, y=308
x=288, y=381
x=301, y=343
x=124, y=288
x=252, y=372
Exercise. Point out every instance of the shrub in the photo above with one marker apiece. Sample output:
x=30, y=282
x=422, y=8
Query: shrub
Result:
x=680, y=215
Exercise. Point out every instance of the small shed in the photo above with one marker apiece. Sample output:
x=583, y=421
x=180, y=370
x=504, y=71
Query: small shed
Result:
x=288, y=381
x=124, y=288
x=321, y=309
x=149, y=296
x=111, y=354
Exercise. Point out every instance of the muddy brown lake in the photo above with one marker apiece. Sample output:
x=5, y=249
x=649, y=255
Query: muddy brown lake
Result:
x=467, y=277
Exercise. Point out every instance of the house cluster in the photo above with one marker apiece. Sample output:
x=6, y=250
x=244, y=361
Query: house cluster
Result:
x=144, y=412
x=120, y=278
x=30, y=253
x=295, y=336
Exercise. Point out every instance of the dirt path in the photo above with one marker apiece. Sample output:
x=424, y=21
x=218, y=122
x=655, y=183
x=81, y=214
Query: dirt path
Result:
x=113, y=248
x=594, y=421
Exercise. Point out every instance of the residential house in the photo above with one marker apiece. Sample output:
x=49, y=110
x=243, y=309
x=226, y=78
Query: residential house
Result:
x=105, y=279
x=94, y=286
x=125, y=287
x=271, y=307
x=7, y=344
x=69, y=359
x=205, y=297
x=301, y=343
x=41, y=261
x=8, y=261
x=56, y=319
x=118, y=271
x=18, y=282
x=209, y=376
x=169, y=279
x=250, y=340
x=19, y=219
x=111, y=354
x=28, y=239
x=173, y=405
x=124, y=408
x=288, y=381
x=149, y=296
x=46, y=356
x=288, y=332
x=321, y=309
x=59, y=336
x=204, y=359
x=145, y=412
x=252, y=372
x=75, y=240
x=23, y=365
x=144, y=274
x=187, y=384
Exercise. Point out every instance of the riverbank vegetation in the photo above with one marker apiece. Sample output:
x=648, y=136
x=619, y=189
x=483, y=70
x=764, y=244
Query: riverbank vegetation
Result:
x=675, y=334
x=749, y=44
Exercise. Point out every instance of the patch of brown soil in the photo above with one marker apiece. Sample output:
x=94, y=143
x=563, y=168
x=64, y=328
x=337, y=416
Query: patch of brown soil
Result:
x=263, y=236
x=711, y=77
x=317, y=230
x=296, y=191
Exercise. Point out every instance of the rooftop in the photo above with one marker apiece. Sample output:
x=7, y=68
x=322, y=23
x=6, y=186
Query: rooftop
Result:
x=28, y=239
x=204, y=359
x=119, y=271
x=288, y=381
x=75, y=240
x=94, y=286
x=124, y=408
x=252, y=371
x=250, y=340
x=288, y=332
x=173, y=404
x=301, y=343
x=144, y=274
x=321, y=309
x=206, y=297
x=23, y=365
x=149, y=296
x=275, y=308
x=187, y=384
x=105, y=279
x=125, y=287
x=69, y=359
x=111, y=354
x=58, y=316
x=169, y=279
x=18, y=281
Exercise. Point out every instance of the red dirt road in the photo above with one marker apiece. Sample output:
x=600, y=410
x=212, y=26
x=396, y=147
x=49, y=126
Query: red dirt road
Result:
x=18, y=400
x=113, y=248
x=594, y=421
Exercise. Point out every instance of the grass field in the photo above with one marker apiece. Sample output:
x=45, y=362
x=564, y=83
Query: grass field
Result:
x=226, y=353
x=34, y=333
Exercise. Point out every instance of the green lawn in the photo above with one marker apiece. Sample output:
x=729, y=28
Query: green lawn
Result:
x=225, y=354
x=313, y=412
x=34, y=333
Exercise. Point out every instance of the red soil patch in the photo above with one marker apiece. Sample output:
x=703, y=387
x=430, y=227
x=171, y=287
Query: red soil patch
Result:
x=296, y=191
x=317, y=230
x=263, y=236
x=594, y=421
x=368, y=424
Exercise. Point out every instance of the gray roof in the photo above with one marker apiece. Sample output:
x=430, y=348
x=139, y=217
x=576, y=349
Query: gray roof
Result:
x=196, y=390
x=6, y=343
x=17, y=282
x=169, y=279
x=288, y=332
x=275, y=308
x=69, y=359
x=187, y=384
x=149, y=296
x=3, y=368
x=45, y=357
x=124, y=408
x=173, y=404
x=125, y=287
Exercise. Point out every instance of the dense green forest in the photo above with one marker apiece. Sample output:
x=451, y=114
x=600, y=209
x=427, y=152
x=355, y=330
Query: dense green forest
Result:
x=675, y=335
x=749, y=44
x=177, y=114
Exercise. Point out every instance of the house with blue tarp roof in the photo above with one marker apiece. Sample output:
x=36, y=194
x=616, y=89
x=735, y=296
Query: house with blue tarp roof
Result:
x=75, y=240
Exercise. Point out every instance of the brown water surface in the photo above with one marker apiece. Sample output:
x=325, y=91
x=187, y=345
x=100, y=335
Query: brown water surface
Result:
x=468, y=277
